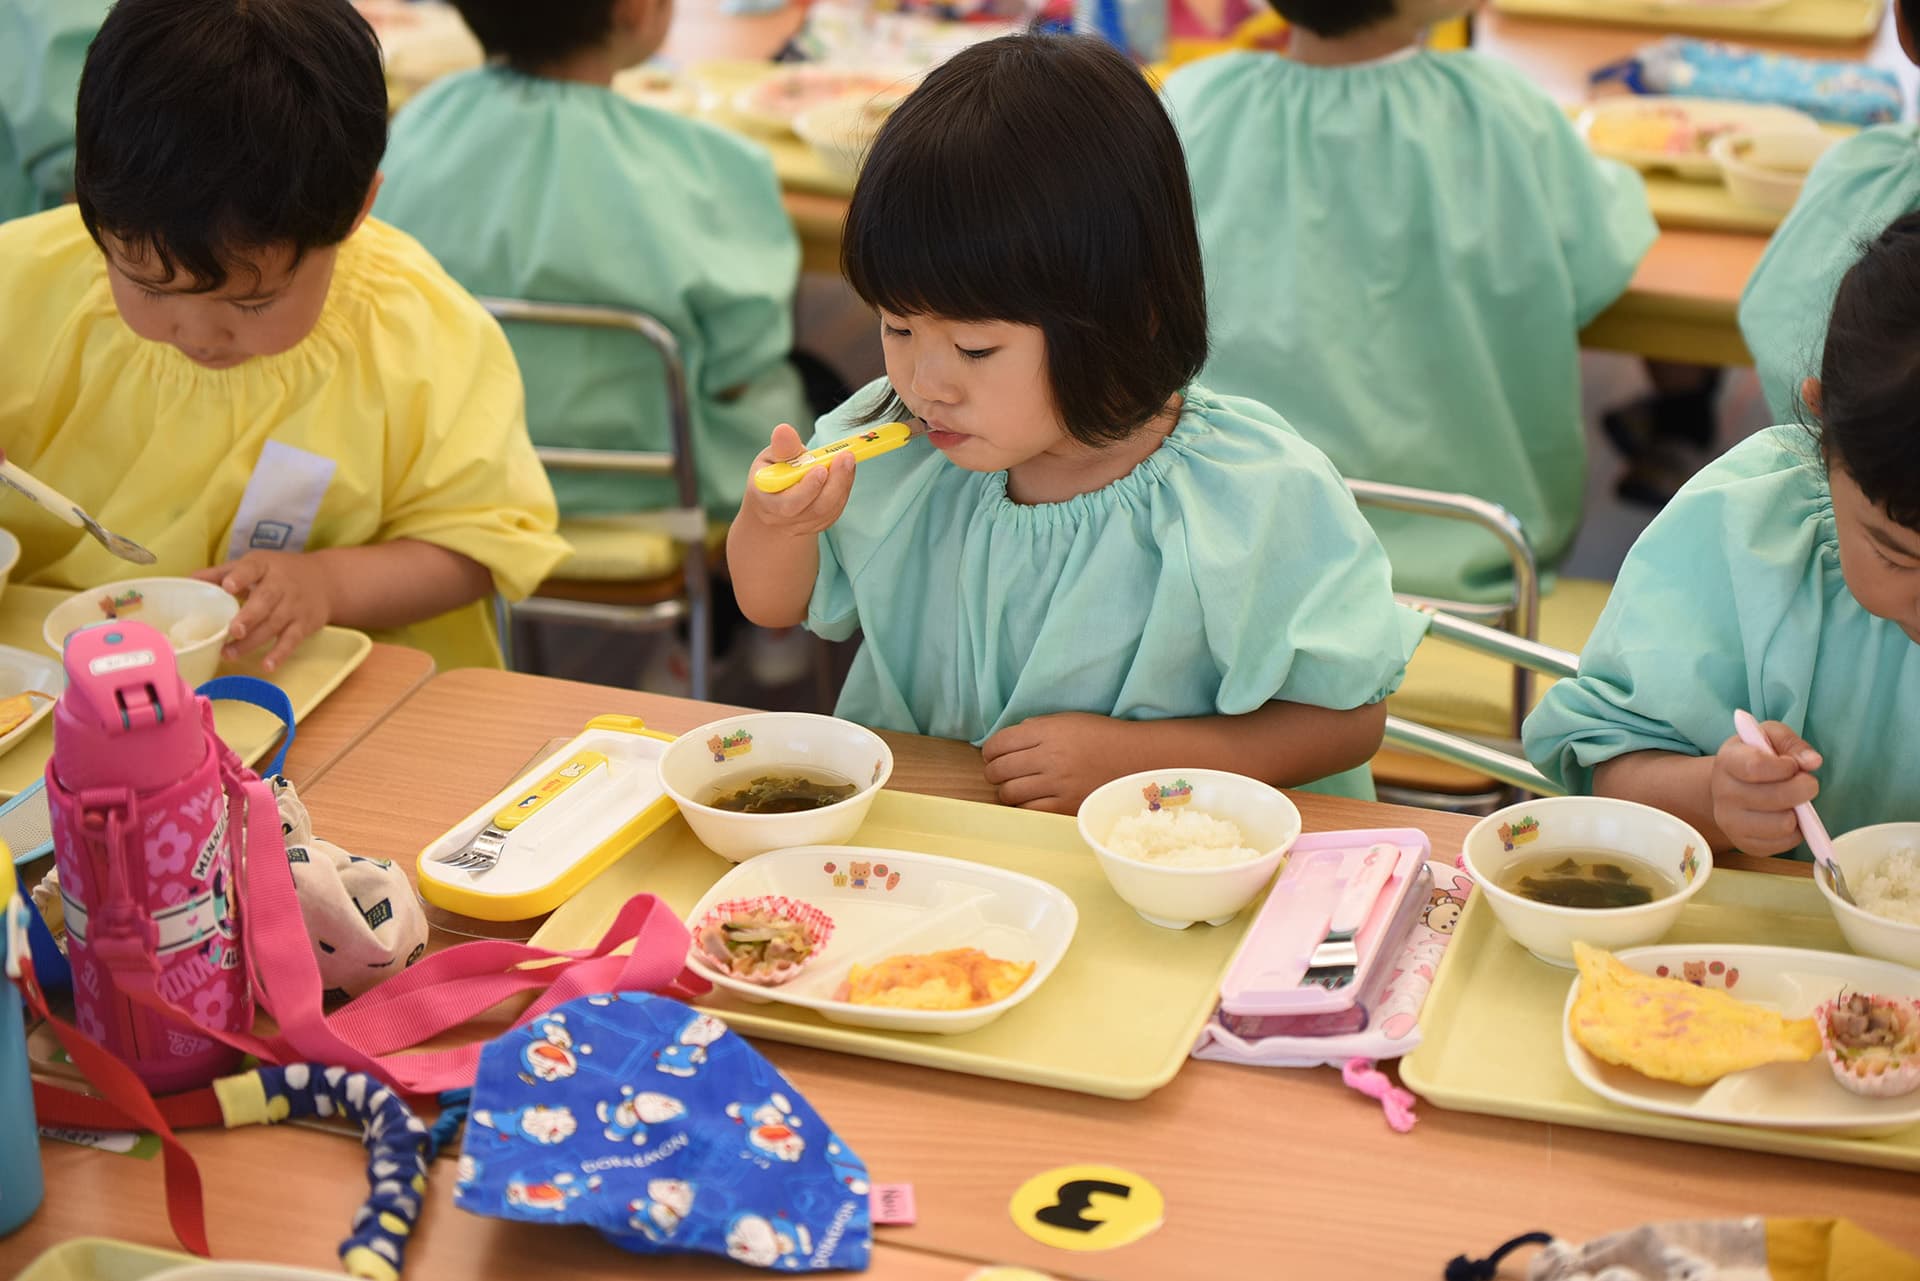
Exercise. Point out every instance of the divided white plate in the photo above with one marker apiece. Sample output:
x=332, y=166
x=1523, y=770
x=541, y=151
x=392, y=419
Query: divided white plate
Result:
x=1786, y=1096
x=21, y=671
x=1602, y=124
x=888, y=902
x=772, y=105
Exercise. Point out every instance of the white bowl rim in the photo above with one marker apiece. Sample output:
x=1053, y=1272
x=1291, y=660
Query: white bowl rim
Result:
x=1721, y=149
x=9, y=539
x=1508, y=897
x=686, y=802
x=1840, y=905
x=1100, y=848
x=59, y=645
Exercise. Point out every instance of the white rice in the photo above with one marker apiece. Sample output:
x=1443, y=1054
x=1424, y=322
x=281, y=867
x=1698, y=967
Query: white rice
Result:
x=1892, y=888
x=1179, y=838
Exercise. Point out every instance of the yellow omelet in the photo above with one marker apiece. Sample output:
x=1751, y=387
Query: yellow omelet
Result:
x=1671, y=1030
x=960, y=979
x=15, y=711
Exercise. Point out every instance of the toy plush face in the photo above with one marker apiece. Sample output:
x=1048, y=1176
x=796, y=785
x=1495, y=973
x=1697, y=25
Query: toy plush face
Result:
x=752, y=1240
x=547, y=1125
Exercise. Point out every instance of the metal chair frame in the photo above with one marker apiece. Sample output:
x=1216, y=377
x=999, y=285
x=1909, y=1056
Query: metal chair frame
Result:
x=686, y=524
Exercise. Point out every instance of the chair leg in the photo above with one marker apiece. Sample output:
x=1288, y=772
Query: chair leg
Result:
x=700, y=648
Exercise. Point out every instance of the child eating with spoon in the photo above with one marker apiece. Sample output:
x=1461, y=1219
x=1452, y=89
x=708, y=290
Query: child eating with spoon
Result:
x=1092, y=565
x=1784, y=579
x=220, y=356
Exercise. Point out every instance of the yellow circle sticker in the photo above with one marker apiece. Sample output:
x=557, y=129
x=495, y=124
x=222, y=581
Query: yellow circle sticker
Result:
x=1087, y=1207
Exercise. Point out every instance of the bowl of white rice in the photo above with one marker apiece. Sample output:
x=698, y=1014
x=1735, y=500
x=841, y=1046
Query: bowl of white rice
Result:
x=1182, y=846
x=1882, y=867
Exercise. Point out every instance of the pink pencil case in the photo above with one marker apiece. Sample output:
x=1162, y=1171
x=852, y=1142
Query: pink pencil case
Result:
x=1269, y=979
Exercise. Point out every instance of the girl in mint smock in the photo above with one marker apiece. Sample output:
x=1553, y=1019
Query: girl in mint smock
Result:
x=43, y=44
x=542, y=187
x=1093, y=565
x=1855, y=190
x=1783, y=579
x=1401, y=252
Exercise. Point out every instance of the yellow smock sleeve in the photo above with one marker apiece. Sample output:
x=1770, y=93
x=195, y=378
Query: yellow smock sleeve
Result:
x=461, y=468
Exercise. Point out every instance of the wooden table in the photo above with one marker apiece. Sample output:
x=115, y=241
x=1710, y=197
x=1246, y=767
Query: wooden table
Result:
x=388, y=676
x=1683, y=302
x=1255, y=1164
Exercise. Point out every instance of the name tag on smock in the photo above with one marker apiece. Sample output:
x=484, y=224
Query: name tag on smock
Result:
x=282, y=501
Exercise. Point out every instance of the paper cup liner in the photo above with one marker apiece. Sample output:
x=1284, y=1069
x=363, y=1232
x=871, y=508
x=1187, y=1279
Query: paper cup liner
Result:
x=814, y=924
x=1878, y=1077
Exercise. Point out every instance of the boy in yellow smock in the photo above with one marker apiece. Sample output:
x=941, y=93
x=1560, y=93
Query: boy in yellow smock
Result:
x=218, y=354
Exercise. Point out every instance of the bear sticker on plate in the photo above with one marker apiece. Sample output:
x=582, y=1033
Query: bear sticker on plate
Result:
x=667, y=1133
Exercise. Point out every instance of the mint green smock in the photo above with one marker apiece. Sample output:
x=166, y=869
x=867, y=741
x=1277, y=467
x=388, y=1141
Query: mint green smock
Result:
x=1229, y=569
x=565, y=192
x=1733, y=598
x=1857, y=188
x=1400, y=257
x=43, y=44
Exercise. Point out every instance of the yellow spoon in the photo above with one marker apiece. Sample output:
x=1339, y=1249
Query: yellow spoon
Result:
x=776, y=478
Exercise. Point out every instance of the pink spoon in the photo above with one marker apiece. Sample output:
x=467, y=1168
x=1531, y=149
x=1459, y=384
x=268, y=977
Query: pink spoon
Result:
x=1810, y=825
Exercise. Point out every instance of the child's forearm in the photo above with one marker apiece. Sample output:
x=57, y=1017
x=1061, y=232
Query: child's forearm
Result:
x=1680, y=785
x=1285, y=744
x=772, y=570
x=384, y=585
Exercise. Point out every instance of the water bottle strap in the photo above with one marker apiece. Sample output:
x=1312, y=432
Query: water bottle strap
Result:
x=264, y=695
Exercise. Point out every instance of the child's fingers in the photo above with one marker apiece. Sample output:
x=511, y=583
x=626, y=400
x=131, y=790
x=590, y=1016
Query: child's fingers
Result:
x=1014, y=738
x=786, y=443
x=1008, y=766
x=1771, y=798
x=243, y=576
x=1791, y=745
x=1029, y=791
x=1765, y=834
x=253, y=627
x=1751, y=765
x=213, y=575
x=291, y=638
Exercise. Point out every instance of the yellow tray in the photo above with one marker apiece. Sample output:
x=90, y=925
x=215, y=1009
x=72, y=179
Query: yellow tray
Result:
x=101, y=1259
x=1491, y=1026
x=1834, y=21
x=1118, y=1018
x=314, y=672
x=797, y=165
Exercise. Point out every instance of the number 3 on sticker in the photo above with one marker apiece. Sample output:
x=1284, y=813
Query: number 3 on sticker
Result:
x=1087, y=1208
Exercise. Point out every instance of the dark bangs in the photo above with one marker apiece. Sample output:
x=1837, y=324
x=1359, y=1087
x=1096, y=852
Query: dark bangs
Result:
x=1332, y=18
x=1870, y=373
x=207, y=128
x=1036, y=180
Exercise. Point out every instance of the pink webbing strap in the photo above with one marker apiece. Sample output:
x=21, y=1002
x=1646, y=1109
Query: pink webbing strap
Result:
x=439, y=994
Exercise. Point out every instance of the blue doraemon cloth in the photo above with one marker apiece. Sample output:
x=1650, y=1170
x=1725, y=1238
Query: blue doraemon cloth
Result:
x=1850, y=93
x=653, y=1123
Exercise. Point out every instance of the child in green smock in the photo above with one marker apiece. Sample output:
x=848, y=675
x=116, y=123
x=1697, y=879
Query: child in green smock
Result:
x=1402, y=247
x=43, y=44
x=1783, y=579
x=1092, y=565
x=532, y=178
x=1859, y=187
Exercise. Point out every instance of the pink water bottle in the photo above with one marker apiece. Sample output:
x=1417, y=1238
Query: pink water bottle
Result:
x=141, y=838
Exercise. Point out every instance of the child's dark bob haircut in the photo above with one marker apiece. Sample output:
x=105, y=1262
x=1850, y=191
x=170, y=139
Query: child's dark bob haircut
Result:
x=1036, y=180
x=531, y=37
x=1333, y=18
x=211, y=128
x=1870, y=375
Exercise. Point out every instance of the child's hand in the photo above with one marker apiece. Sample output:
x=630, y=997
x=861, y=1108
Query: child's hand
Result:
x=1052, y=762
x=812, y=504
x=285, y=598
x=1754, y=793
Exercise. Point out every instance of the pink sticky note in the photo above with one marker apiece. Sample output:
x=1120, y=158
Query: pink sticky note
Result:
x=893, y=1205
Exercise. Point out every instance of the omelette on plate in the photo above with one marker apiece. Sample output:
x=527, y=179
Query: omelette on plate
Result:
x=1671, y=1030
x=960, y=979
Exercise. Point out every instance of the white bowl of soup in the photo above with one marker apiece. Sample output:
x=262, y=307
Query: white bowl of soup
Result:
x=1186, y=845
x=1586, y=869
x=1882, y=867
x=192, y=615
x=764, y=781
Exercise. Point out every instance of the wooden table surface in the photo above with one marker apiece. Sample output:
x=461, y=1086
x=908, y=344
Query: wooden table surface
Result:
x=1683, y=302
x=381, y=683
x=1254, y=1163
